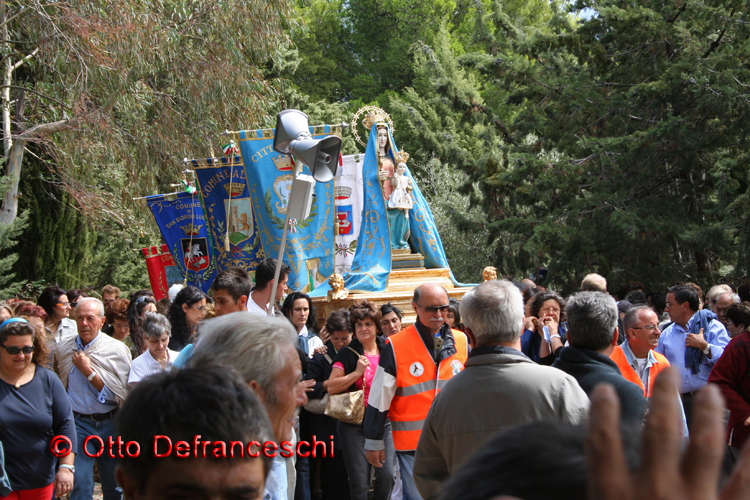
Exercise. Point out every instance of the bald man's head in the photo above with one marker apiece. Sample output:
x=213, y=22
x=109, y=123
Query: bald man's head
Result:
x=430, y=302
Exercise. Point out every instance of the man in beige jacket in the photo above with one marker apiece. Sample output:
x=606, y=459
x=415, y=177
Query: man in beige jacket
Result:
x=499, y=388
x=93, y=368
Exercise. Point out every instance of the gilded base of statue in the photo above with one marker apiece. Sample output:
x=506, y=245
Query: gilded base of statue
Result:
x=401, y=285
x=404, y=259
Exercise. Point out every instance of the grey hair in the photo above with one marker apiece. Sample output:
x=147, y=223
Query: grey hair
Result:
x=155, y=324
x=715, y=291
x=631, y=317
x=594, y=283
x=251, y=344
x=592, y=320
x=493, y=311
x=735, y=298
x=89, y=300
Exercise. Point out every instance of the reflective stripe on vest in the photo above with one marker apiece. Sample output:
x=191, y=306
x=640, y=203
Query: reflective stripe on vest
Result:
x=407, y=426
x=420, y=387
x=418, y=380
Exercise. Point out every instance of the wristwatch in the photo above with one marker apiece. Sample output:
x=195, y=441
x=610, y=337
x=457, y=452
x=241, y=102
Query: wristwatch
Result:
x=71, y=468
x=707, y=350
x=91, y=377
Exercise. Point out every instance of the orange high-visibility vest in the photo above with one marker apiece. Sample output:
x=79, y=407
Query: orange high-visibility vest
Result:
x=618, y=356
x=418, y=381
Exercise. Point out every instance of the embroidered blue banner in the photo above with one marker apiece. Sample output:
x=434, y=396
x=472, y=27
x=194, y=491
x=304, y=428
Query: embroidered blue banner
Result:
x=222, y=184
x=310, y=244
x=183, y=226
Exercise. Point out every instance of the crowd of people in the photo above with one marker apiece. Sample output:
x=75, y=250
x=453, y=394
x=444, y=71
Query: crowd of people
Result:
x=513, y=390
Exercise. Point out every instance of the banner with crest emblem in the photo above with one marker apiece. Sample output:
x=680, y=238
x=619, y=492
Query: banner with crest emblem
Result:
x=183, y=226
x=310, y=243
x=349, y=203
x=222, y=184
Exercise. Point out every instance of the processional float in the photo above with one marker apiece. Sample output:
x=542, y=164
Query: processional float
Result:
x=363, y=232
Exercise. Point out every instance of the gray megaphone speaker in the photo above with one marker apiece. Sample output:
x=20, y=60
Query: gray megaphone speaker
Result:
x=293, y=137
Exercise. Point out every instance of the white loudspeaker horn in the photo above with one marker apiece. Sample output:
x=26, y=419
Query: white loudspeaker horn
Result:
x=293, y=137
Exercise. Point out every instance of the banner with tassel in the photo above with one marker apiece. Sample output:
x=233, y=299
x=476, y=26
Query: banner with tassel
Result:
x=229, y=211
x=162, y=270
x=270, y=177
x=183, y=226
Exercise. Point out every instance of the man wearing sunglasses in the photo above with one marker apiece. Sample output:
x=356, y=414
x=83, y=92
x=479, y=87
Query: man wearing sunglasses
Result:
x=414, y=366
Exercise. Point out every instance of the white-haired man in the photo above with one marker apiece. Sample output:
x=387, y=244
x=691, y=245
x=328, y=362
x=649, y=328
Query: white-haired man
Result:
x=93, y=368
x=713, y=295
x=262, y=350
x=500, y=384
x=723, y=302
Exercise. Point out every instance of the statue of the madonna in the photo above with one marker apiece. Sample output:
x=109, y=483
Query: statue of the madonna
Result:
x=396, y=188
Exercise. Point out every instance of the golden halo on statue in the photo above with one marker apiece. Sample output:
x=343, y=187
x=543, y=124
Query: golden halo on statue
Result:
x=373, y=115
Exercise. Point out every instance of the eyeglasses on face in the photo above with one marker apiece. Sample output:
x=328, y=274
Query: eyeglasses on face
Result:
x=647, y=327
x=13, y=350
x=434, y=309
x=64, y=304
x=200, y=308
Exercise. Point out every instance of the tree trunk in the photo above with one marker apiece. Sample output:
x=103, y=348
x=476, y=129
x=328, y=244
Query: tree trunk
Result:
x=9, y=209
x=10, y=201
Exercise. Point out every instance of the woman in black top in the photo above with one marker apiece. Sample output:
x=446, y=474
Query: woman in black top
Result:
x=354, y=366
x=33, y=408
x=333, y=478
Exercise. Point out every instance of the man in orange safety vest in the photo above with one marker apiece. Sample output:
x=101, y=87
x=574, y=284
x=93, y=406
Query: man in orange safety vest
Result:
x=414, y=366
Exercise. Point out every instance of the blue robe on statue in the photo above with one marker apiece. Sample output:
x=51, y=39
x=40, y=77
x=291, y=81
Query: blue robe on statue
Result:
x=372, y=261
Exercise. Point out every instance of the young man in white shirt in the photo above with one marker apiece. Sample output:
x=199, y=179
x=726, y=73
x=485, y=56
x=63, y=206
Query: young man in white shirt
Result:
x=260, y=297
x=231, y=290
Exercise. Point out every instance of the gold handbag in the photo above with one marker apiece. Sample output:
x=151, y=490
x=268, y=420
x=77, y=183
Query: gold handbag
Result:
x=349, y=407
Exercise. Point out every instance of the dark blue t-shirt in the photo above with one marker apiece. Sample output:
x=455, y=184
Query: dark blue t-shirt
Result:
x=29, y=417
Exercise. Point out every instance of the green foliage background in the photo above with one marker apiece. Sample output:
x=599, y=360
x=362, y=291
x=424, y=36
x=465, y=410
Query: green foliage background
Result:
x=615, y=142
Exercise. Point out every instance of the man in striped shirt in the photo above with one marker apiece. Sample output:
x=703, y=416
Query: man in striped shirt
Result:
x=695, y=329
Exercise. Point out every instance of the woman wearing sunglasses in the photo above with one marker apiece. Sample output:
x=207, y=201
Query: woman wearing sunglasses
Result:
x=55, y=303
x=33, y=408
x=187, y=310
